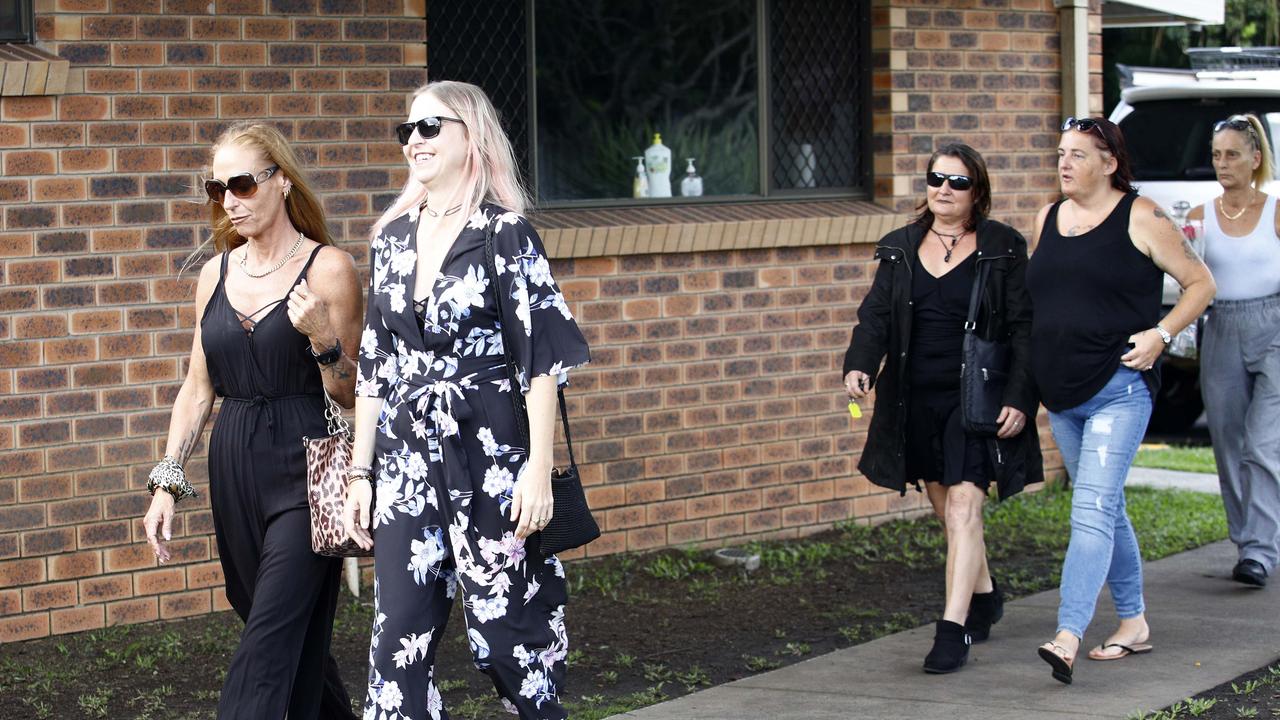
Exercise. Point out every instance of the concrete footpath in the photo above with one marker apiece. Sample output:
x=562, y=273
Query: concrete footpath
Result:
x=1206, y=630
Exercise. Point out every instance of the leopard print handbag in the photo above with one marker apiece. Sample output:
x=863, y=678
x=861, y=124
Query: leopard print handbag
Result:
x=327, y=461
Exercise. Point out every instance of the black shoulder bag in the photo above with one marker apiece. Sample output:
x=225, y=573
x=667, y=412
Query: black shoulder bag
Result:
x=571, y=523
x=984, y=371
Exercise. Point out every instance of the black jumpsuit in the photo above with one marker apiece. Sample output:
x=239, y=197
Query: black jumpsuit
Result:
x=272, y=397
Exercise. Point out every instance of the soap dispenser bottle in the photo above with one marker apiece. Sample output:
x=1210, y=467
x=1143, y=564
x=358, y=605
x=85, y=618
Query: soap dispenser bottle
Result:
x=640, y=184
x=691, y=185
x=658, y=161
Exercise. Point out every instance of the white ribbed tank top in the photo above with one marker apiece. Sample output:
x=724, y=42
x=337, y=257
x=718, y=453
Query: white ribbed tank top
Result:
x=1244, y=267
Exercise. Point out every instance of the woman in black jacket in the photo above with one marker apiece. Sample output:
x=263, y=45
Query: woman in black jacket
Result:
x=915, y=317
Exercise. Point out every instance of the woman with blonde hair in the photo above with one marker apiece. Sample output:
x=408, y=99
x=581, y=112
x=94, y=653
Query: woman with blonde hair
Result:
x=270, y=345
x=1240, y=356
x=460, y=493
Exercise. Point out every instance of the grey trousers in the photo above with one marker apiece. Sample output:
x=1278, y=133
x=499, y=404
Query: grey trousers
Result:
x=1240, y=381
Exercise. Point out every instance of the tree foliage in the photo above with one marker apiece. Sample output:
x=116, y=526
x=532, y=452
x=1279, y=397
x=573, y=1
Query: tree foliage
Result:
x=1247, y=23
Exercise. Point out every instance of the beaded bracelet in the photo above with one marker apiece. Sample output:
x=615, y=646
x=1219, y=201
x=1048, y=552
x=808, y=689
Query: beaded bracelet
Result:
x=169, y=476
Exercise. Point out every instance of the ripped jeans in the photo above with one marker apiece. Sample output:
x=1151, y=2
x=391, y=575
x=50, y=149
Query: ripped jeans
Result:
x=1098, y=440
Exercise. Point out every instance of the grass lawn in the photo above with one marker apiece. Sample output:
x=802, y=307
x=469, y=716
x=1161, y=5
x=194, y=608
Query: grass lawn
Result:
x=1186, y=459
x=643, y=628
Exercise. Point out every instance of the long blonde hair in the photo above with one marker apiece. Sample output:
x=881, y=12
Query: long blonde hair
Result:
x=491, y=174
x=305, y=211
x=1257, y=137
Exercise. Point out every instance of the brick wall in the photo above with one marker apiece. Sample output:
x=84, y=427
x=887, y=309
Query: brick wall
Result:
x=97, y=210
x=984, y=72
x=711, y=412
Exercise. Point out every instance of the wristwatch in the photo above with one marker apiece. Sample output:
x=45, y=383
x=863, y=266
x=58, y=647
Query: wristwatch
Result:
x=1164, y=334
x=332, y=355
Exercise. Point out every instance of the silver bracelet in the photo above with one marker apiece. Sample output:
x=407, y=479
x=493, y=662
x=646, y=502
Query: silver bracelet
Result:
x=169, y=476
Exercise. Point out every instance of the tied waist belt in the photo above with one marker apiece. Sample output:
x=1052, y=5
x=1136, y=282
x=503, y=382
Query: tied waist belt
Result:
x=263, y=403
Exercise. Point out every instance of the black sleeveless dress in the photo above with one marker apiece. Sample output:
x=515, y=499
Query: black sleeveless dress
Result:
x=272, y=396
x=937, y=447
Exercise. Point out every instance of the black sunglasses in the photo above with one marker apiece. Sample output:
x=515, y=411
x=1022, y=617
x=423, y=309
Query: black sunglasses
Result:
x=958, y=182
x=1233, y=123
x=244, y=185
x=1085, y=125
x=427, y=127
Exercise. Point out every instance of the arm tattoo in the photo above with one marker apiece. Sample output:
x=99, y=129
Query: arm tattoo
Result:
x=1160, y=213
x=188, y=445
x=340, y=370
x=1189, y=251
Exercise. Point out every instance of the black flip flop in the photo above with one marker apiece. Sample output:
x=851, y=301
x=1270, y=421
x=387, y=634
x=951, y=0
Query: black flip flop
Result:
x=1061, y=668
x=1125, y=651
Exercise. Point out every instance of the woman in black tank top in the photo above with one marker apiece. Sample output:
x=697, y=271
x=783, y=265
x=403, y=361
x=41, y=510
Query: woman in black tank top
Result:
x=270, y=348
x=1097, y=333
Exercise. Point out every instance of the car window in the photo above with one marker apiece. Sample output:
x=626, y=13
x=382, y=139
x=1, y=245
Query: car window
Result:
x=1171, y=139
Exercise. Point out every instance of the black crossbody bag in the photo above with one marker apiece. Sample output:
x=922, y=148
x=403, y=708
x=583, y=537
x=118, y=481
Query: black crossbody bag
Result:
x=984, y=371
x=571, y=523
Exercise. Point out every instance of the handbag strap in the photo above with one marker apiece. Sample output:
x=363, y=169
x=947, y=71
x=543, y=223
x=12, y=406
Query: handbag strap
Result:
x=971, y=322
x=517, y=396
x=333, y=416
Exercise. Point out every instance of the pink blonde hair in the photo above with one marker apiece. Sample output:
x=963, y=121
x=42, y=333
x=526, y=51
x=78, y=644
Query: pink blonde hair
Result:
x=491, y=174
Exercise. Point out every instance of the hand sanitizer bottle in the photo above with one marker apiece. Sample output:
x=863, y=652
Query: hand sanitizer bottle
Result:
x=691, y=185
x=640, y=184
x=658, y=161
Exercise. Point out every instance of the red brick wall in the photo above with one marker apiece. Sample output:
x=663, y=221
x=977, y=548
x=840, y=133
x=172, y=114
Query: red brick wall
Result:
x=986, y=73
x=712, y=410
x=713, y=405
x=97, y=210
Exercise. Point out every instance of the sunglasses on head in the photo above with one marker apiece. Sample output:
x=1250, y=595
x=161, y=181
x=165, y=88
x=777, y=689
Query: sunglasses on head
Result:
x=1085, y=125
x=427, y=127
x=1233, y=123
x=958, y=182
x=244, y=185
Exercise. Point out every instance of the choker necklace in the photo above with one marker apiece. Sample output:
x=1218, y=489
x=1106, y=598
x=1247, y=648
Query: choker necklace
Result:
x=955, y=240
x=244, y=259
x=1228, y=215
x=437, y=213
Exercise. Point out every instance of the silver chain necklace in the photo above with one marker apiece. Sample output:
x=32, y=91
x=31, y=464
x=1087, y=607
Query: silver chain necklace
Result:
x=244, y=259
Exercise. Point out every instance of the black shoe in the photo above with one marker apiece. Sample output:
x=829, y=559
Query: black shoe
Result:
x=985, y=610
x=950, y=649
x=1250, y=572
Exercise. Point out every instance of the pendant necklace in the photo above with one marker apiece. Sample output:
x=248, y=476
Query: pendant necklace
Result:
x=244, y=259
x=1228, y=215
x=955, y=240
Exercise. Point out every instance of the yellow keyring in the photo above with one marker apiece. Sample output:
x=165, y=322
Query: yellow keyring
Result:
x=854, y=410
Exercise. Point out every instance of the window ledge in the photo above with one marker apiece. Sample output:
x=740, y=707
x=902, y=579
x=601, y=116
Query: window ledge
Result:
x=711, y=227
x=28, y=70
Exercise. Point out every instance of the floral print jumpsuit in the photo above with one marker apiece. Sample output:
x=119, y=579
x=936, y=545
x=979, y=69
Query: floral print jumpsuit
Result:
x=447, y=455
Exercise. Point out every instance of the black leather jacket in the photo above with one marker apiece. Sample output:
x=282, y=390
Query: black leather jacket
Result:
x=883, y=333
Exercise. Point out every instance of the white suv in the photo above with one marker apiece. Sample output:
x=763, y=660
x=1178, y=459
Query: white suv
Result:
x=1167, y=118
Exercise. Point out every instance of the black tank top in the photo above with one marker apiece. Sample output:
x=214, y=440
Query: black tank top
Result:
x=266, y=361
x=1089, y=293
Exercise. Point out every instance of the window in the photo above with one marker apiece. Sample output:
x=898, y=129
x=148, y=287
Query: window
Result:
x=16, y=21
x=1172, y=139
x=769, y=97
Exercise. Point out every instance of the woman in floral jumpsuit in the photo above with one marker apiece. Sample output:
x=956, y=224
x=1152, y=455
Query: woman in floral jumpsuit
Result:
x=457, y=496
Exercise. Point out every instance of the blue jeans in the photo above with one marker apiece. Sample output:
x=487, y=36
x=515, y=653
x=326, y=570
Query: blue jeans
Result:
x=1098, y=440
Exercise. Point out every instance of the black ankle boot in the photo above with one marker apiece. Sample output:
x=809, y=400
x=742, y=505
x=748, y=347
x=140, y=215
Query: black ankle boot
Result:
x=950, y=649
x=985, y=610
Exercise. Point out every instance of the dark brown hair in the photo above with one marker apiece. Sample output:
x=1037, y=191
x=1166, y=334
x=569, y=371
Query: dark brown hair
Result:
x=977, y=169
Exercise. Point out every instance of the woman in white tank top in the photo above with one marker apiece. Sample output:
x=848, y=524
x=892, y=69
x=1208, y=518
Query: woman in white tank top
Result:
x=1240, y=351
